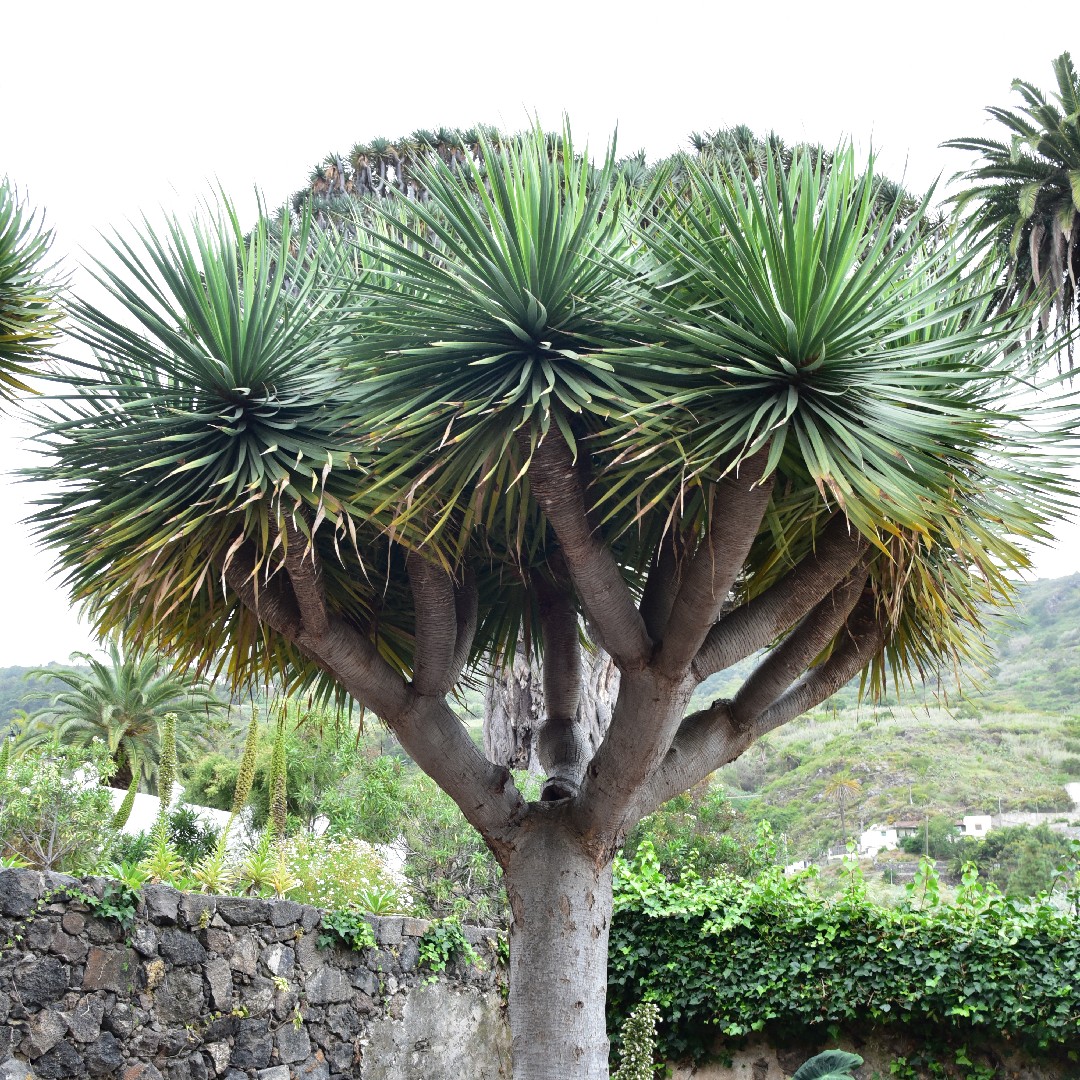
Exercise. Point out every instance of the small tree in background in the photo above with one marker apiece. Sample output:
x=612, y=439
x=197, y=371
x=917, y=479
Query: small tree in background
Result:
x=720, y=414
x=123, y=702
x=1023, y=196
x=842, y=789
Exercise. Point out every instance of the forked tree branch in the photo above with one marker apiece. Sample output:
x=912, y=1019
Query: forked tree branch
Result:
x=760, y=621
x=737, y=505
x=708, y=739
x=609, y=605
x=340, y=648
x=424, y=724
x=862, y=638
x=790, y=659
x=271, y=601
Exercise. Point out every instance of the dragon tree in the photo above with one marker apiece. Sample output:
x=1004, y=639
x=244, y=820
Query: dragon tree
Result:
x=726, y=413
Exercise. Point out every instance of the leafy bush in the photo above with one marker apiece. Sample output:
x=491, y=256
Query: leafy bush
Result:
x=1020, y=860
x=333, y=872
x=730, y=956
x=54, y=813
x=693, y=828
x=346, y=928
x=450, y=870
x=443, y=941
x=191, y=838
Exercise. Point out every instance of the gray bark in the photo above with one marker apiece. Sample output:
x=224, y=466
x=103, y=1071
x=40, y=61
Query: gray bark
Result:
x=515, y=710
x=560, y=896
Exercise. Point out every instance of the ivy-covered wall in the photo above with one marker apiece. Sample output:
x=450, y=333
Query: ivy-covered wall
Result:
x=96, y=981
x=729, y=960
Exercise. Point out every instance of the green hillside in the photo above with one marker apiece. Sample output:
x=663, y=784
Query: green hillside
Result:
x=1037, y=651
x=908, y=764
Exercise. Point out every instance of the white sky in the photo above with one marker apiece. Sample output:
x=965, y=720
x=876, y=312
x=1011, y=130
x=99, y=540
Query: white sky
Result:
x=112, y=110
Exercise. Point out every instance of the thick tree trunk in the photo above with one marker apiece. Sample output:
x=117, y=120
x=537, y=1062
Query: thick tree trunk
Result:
x=560, y=897
x=514, y=708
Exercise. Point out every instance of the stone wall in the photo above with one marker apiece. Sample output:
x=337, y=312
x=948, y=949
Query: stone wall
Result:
x=204, y=986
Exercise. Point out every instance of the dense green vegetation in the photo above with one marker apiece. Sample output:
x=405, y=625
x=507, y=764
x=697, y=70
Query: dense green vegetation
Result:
x=730, y=956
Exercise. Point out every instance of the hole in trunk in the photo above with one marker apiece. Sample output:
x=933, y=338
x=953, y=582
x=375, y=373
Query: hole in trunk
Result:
x=556, y=790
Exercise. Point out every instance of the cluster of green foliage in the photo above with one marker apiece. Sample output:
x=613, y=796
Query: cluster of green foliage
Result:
x=347, y=928
x=442, y=942
x=54, y=813
x=327, y=763
x=192, y=838
x=118, y=900
x=730, y=956
x=367, y=796
x=1019, y=860
x=123, y=700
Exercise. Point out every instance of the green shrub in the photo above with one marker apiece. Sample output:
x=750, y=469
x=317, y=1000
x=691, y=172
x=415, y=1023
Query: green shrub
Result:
x=696, y=828
x=54, y=813
x=443, y=941
x=332, y=872
x=346, y=928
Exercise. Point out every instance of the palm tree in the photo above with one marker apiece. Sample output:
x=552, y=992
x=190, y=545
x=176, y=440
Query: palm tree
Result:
x=28, y=310
x=1024, y=196
x=123, y=702
x=842, y=788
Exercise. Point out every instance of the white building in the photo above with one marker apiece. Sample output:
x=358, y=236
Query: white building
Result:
x=975, y=825
x=878, y=838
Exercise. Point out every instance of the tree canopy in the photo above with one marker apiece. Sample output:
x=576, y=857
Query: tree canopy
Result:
x=29, y=311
